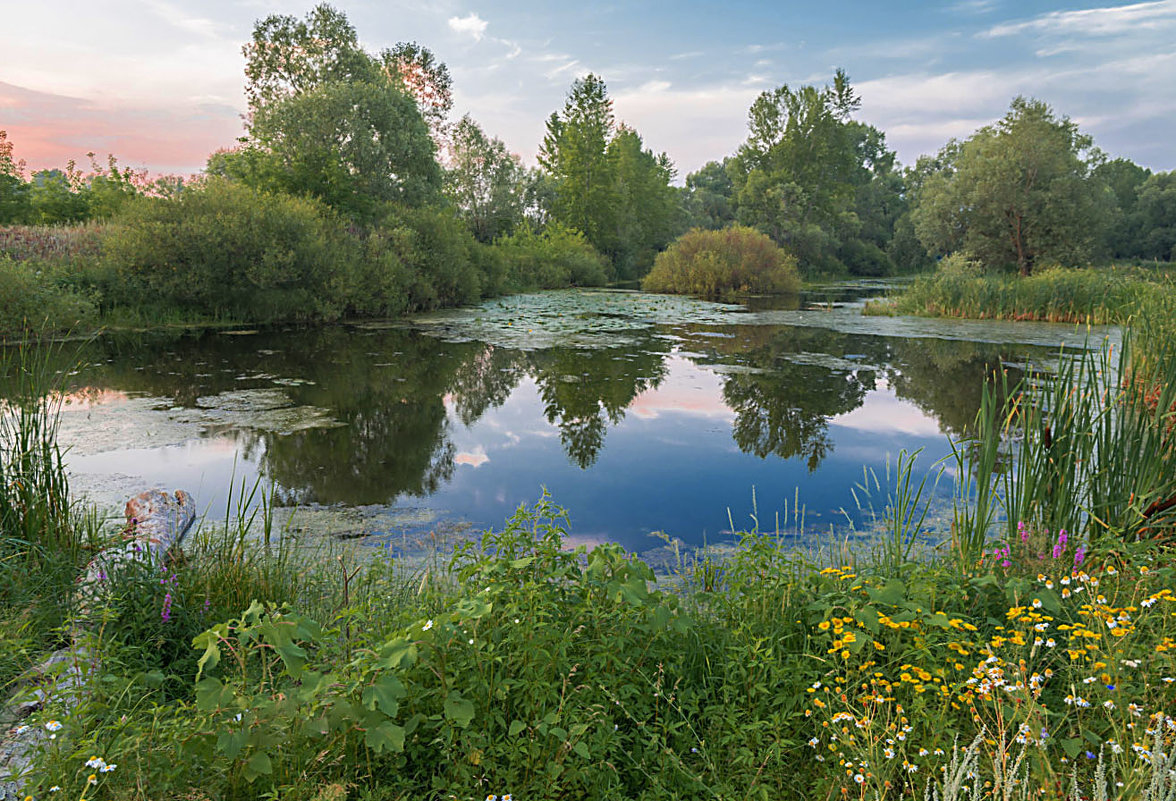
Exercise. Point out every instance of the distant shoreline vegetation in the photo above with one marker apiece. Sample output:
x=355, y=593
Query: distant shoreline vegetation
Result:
x=353, y=194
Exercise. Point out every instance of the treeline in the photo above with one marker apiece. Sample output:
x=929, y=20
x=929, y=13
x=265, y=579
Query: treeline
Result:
x=1028, y=190
x=351, y=194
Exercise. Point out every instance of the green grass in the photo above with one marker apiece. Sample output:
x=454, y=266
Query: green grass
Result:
x=1087, y=296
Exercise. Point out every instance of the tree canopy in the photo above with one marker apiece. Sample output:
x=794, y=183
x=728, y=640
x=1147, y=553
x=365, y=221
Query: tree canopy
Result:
x=330, y=120
x=605, y=184
x=1016, y=193
x=817, y=182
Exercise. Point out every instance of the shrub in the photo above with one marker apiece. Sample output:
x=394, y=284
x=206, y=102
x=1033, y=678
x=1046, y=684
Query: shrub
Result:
x=34, y=300
x=225, y=249
x=425, y=258
x=714, y=264
x=556, y=257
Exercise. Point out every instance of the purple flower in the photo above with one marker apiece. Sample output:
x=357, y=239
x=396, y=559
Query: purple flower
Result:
x=1023, y=530
x=166, y=613
x=1005, y=563
x=1079, y=555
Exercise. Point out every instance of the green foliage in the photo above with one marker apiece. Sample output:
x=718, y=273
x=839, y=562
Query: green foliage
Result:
x=1155, y=217
x=485, y=182
x=44, y=537
x=961, y=288
x=1016, y=194
x=425, y=258
x=36, y=299
x=605, y=184
x=708, y=198
x=329, y=120
x=552, y=258
x=226, y=249
x=817, y=182
x=715, y=264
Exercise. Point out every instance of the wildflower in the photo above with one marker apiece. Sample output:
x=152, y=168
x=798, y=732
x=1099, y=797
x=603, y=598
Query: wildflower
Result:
x=96, y=762
x=92, y=779
x=471, y=640
x=54, y=788
x=859, y=778
x=428, y=625
x=107, y=768
x=53, y=725
x=167, y=605
x=1079, y=555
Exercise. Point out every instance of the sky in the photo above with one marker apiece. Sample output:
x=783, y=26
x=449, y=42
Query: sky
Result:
x=159, y=83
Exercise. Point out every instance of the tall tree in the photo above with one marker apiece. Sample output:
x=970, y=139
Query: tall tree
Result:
x=805, y=172
x=328, y=119
x=1017, y=194
x=574, y=153
x=606, y=184
x=646, y=210
x=485, y=182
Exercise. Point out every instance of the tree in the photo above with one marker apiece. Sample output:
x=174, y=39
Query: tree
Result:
x=1155, y=215
x=14, y=191
x=807, y=176
x=574, y=154
x=708, y=197
x=646, y=212
x=1017, y=193
x=606, y=184
x=329, y=120
x=425, y=79
x=484, y=181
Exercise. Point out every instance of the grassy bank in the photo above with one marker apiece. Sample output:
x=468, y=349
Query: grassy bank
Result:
x=221, y=251
x=1034, y=655
x=1087, y=296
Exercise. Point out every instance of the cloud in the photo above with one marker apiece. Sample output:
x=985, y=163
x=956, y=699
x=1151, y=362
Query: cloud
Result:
x=1106, y=21
x=470, y=25
x=475, y=458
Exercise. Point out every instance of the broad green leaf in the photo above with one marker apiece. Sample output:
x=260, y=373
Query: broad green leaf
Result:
x=386, y=736
x=458, y=709
x=258, y=765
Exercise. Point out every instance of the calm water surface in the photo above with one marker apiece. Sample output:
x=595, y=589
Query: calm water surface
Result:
x=638, y=413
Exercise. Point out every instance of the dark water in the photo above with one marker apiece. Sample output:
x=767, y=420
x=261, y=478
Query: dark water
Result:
x=637, y=413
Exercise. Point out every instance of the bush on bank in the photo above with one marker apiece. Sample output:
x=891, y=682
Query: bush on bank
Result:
x=715, y=264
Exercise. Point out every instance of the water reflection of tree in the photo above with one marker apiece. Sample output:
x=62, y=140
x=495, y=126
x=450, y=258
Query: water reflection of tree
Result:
x=945, y=378
x=584, y=391
x=782, y=404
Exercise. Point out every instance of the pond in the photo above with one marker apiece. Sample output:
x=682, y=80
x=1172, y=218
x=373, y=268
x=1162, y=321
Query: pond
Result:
x=638, y=413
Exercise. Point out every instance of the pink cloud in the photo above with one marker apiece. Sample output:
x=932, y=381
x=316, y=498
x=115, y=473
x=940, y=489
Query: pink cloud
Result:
x=47, y=130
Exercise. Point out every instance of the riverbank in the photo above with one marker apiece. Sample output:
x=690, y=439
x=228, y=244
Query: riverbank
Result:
x=522, y=666
x=1092, y=296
